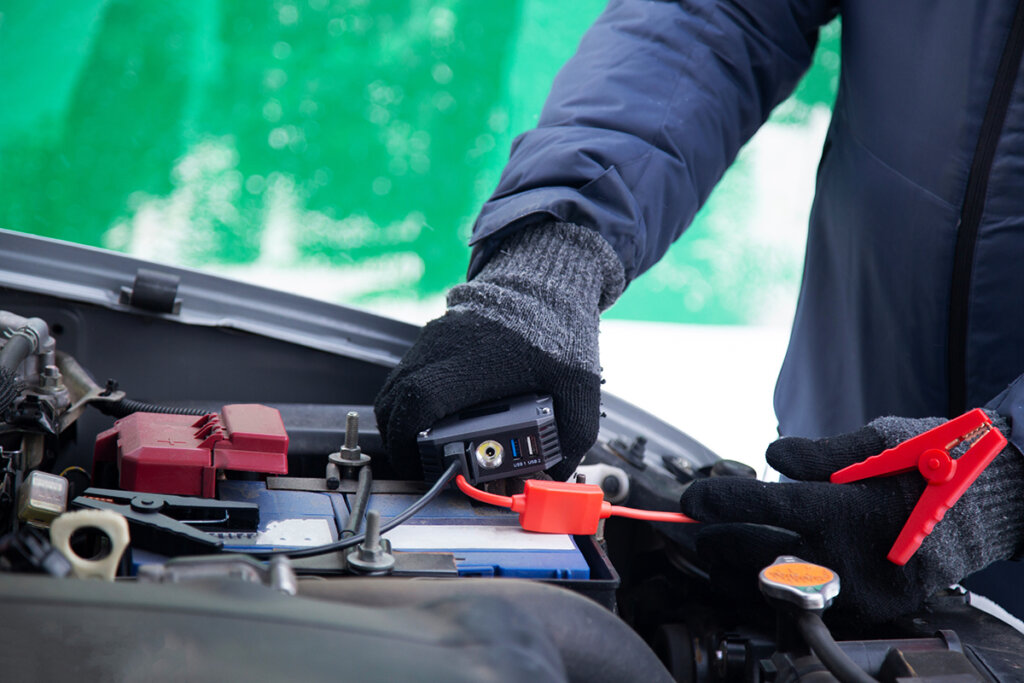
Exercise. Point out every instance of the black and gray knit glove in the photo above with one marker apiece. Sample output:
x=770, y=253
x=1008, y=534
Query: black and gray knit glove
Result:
x=526, y=323
x=851, y=527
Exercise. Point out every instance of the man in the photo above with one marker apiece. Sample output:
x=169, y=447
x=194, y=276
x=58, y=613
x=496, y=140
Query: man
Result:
x=910, y=299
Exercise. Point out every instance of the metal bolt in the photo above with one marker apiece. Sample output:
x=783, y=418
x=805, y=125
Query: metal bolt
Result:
x=350, y=451
x=372, y=540
x=51, y=378
x=352, y=429
x=282, y=576
x=372, y=556
x=349, y=457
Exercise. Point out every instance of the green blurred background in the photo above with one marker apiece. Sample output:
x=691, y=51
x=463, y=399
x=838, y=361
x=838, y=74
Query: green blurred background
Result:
x=342, y=148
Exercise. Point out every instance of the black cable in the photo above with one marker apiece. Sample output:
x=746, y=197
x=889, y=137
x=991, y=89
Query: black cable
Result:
x=359, y=503
x=127, y=406
x=820, y=640
x=438, y=486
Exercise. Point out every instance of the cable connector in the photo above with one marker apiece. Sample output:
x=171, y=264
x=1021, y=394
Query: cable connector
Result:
x=555, y=507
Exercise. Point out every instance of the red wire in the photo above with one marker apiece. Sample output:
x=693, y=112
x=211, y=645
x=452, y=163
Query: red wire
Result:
x=632, y=513
x=482, y=496
x=651, y=515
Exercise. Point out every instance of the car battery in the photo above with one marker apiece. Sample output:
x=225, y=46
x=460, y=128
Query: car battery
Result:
x=483, y=540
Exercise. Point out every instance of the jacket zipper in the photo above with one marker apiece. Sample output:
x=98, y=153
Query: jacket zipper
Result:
x=973, y=208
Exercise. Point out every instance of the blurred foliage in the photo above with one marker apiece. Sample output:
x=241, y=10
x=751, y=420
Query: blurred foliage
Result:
x=313, y=134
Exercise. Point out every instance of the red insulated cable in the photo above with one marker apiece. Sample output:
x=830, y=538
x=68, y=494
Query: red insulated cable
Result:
x=650, y=515
x=520, y=503
x=482, y=496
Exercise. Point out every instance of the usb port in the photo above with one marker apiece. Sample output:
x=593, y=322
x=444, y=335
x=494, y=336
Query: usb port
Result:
x=514, y=447
x=531, y=447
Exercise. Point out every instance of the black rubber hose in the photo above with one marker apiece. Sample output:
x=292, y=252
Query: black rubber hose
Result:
x=359, y=502
x=821, y=642
x=595, y=645
x=127, y=406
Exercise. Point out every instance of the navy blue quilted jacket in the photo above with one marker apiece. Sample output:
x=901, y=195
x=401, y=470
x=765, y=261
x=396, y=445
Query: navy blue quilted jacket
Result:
x=912, y=300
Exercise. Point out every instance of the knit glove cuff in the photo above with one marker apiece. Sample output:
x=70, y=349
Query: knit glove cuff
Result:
x=548, y=283
x=985, y=525
x=851, y=527
x=527, y=323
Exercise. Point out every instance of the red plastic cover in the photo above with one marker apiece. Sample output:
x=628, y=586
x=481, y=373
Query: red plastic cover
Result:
x=181, y=454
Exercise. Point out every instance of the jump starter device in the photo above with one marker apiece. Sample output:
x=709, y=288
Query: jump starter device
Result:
x=508, y=438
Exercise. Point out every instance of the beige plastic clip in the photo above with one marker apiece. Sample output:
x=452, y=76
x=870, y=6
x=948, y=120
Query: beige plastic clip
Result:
x=109, y=522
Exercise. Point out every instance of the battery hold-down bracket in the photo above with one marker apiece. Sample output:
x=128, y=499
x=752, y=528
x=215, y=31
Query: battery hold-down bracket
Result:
x=514, y=437
x=182, y=454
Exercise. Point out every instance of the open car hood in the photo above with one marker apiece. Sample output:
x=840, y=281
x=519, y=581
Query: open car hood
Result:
x=502, y=605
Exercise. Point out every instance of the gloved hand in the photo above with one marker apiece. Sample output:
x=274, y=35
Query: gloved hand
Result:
x=851, y=527
x=526, y=323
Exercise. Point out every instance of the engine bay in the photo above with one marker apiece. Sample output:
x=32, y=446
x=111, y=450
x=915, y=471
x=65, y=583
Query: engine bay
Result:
x=208, y=451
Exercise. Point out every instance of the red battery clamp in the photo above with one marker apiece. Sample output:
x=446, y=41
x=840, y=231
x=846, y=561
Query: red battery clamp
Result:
x=947, y=478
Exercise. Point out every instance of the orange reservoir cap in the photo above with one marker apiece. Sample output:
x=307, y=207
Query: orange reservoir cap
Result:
x=803, y=584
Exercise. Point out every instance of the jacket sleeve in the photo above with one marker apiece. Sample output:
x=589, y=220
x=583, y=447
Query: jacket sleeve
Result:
x=1010, y=404
x=645, y=118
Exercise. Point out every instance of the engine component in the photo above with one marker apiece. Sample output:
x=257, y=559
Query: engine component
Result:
x=368, y=629
x=511, y=438
x=347, y=458
x=28, y=549
x=42, y=497
x=633, y=453
x=113, y=525
x=803, y=591
x=347, y=461
x=28, y=369
x=178, y=454
x=801, y=584
x=731, y=468
x=597, y=647
x=612, y=480
x=25, y=337
x=277, y=574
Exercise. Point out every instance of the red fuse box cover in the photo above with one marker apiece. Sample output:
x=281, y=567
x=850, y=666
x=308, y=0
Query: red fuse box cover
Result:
x=180, y=454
